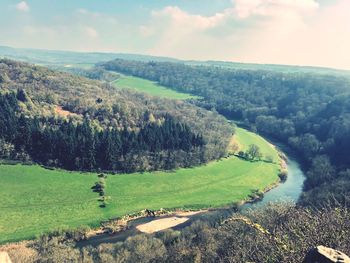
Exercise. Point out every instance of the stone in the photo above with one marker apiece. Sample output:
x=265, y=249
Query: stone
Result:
x=322, y=254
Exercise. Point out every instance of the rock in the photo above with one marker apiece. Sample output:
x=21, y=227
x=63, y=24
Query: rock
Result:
x=322, y=254
x=4, y=257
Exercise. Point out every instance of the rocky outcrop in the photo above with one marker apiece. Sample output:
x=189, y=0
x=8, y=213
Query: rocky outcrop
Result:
x=322, y=254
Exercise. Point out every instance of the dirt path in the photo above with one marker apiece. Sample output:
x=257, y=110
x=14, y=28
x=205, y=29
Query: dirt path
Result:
x=176, y=220
x=4, y=258
x=166, y=222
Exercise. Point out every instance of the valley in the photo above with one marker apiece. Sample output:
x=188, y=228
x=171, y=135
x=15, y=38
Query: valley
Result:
x=38, y=200
x=89, y=148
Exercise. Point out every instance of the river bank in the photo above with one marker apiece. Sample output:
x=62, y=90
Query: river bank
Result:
x=289, y=191
x=217, y=184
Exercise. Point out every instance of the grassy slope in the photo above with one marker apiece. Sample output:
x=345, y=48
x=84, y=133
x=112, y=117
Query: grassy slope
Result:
x=150, y=88
x=35, y=200
x=245, y=138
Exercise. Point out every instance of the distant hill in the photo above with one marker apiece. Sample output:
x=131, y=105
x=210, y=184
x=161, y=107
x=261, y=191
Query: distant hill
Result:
x=56, y=57
x=71, y=59
x=271, y=67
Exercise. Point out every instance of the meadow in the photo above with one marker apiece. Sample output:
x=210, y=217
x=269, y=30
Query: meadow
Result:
x=245, y=138
x=37, y=200
x=150, y=88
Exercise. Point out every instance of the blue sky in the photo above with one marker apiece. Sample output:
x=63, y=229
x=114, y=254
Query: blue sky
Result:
x=301, y=32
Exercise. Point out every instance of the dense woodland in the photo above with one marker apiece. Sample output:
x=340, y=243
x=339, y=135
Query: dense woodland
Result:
x=310, y=112
x=62, y=143
x=58, y=119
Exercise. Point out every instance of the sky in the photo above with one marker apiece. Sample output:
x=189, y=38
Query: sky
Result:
x=296, y=32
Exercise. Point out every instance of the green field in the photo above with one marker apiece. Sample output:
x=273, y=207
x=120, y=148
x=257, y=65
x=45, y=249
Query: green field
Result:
x=245, y=138
x=150, y=87
x=36, y=200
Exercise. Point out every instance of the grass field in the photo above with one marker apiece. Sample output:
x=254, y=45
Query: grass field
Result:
x=36, y=200
x=245, y=138
x=150, y=88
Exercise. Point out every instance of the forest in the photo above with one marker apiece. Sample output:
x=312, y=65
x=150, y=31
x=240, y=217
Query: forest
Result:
x=61, y=143
x=309, y=112
x=102, y=128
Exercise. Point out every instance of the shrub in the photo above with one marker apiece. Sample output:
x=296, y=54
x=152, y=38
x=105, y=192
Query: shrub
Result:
x=283, y=175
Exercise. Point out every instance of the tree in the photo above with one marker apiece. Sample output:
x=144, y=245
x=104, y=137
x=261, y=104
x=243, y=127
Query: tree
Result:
x=234, y=147
x=6, y=149
x=22, y=95
x=321, y=171
x=253, y=152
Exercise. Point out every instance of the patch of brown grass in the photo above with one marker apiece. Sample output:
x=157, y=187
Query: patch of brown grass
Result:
x=63, y=113
x=20, y=252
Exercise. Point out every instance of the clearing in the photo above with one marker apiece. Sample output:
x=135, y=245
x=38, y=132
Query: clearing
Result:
x=150, y=87
x=244, y=138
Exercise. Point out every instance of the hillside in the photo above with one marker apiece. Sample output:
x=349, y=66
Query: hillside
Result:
x=64, y=60
x=85, y=113
x=70, y=58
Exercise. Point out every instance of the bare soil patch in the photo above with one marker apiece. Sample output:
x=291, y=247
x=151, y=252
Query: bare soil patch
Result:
x=163, y=223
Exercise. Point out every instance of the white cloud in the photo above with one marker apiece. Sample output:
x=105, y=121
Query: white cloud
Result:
x=247, y=8
x=22, y=6
x=92, y=15
x=278, y=17
x=301, y=32
x=90, y=32
x=182, y=18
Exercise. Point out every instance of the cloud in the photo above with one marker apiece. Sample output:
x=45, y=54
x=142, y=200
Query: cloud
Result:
x=302, y=32
x=22, y=6
x=90, y=32
x=248, y=8
x=275, y=16
x=182, y=18
x=93, y=15
x=80, y=30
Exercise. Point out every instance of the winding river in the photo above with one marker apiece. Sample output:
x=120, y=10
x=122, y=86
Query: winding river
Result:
x=289, y=190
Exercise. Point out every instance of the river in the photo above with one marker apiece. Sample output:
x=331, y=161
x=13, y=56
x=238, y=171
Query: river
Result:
x=289, y=190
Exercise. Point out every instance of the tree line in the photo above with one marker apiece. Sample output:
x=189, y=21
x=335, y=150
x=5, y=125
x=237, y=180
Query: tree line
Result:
x=81, y=146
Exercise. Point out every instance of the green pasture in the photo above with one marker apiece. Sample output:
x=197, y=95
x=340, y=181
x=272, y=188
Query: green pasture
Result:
x=150, y=87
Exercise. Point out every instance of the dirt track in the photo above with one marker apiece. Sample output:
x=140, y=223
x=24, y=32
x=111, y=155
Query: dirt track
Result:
x=166, y=222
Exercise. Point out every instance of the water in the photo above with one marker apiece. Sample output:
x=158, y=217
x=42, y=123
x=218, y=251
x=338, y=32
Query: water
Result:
x=290, y=190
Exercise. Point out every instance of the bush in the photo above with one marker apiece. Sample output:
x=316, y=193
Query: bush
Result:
x=283, y=175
